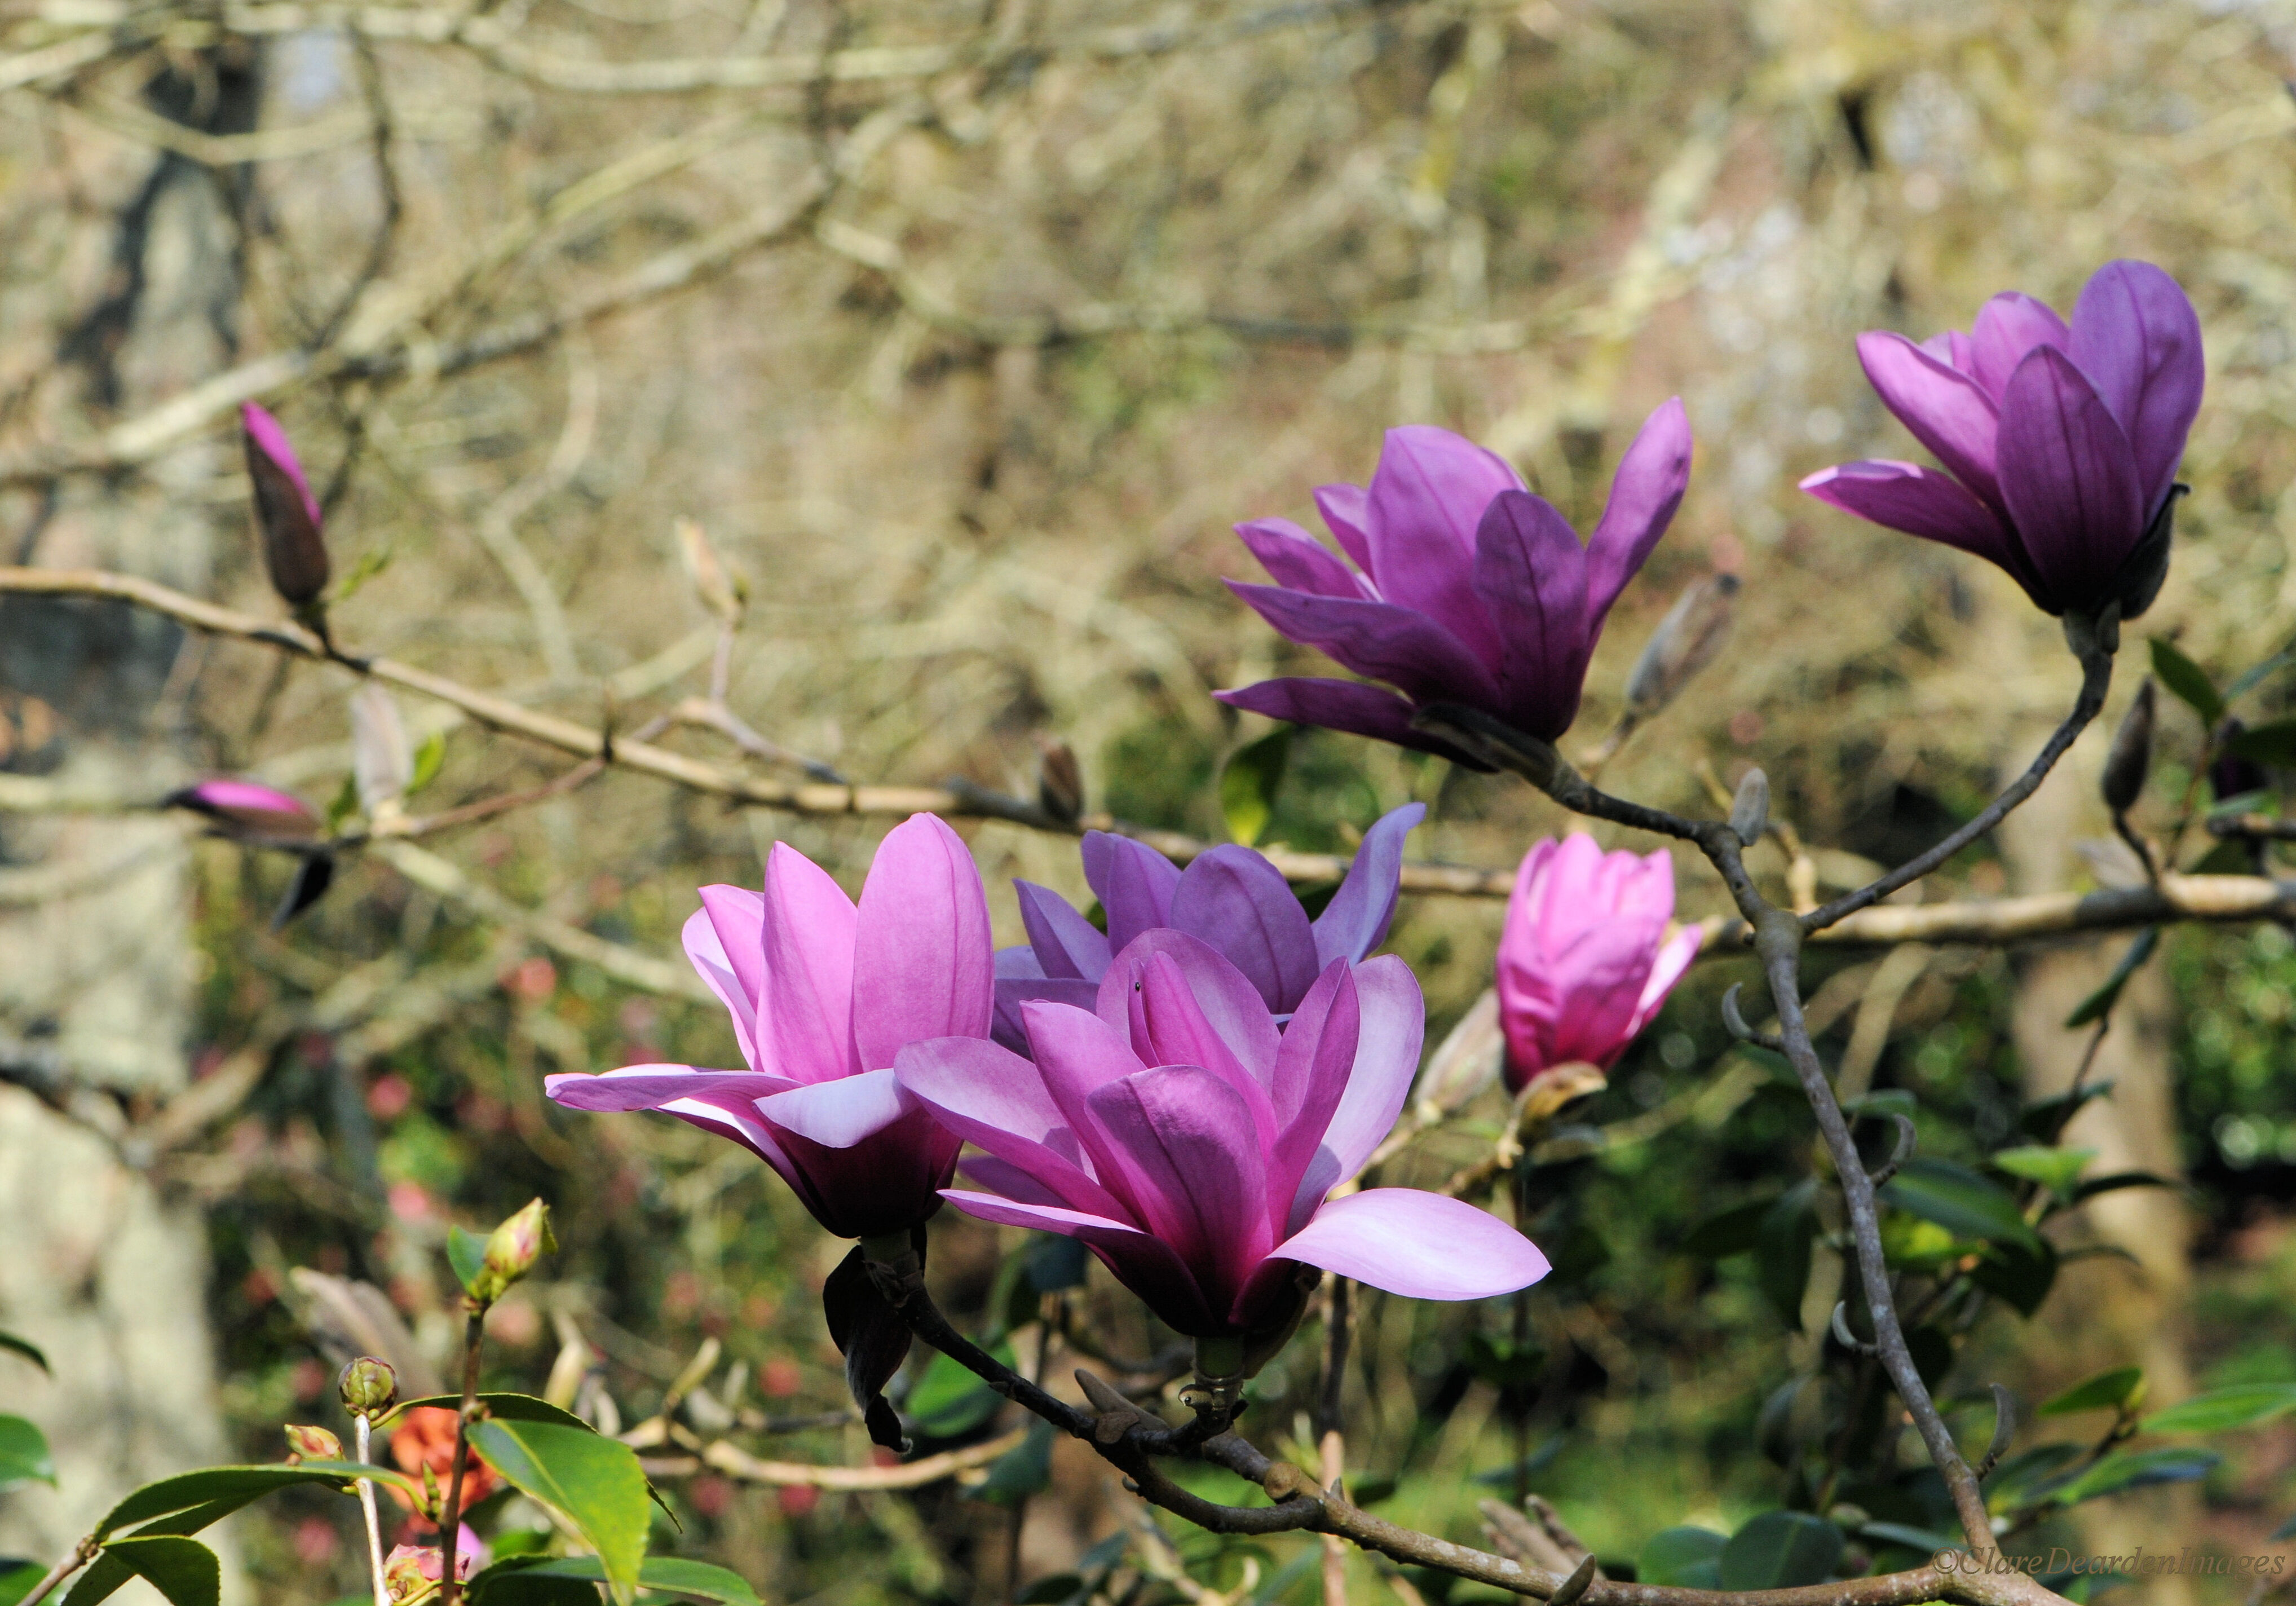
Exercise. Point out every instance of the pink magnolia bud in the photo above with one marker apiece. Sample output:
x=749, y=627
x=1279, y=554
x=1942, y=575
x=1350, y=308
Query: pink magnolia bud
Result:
x=511, y=1251
x=368, y=1386
x=286, y=513
x=314, y=1443
x=241, y=808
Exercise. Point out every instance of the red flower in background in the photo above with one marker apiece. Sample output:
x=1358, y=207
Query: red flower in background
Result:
x=427, y=1439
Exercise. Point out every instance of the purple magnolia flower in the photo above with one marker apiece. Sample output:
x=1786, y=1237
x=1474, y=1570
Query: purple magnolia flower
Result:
x=1232, y=898
x=1472, y=590
x=286, y=513
x=2060, y=444
x=823, y=995
x=244, y=809
x=1584, y=958
x=1193, y=1146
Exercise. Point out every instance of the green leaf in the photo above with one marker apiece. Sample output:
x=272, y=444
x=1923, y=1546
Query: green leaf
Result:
x=2116, y=1473
x=466, y=1253
x=1922, y=1541
x=24, y=1456
x=184, y=1571
x=946, y=1400
x=2045, y=1119
x=2271, y=743
x=1779, y=1550
x=2120, y=1388
x=228, y=1488
x=1782, y=1249
x=2097, y=1004
x=17, y=1578
x=593, y=1480
x=1887, y=1101
x=2113, y=1182
x=427, y=759
x=1249, y=784
x=1684, y=1557
x=1051, y=1591
x=669, y=1574
x=1727, y=1233
x=2056, y=1169
x=371, y=563
x=2011, y=1271
x=2252, y=678
x=13, y=1345
x=1960, y=1201
x=2222, y=1410
x=1021, y=1471
x=507, y=1407
x=2029, y=1474
x=2187, y=680
x=345, y=804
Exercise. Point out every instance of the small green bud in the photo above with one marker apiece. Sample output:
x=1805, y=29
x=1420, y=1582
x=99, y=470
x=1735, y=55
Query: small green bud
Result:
x=511, y=1251
x=368, y=1386
x=313, y=1444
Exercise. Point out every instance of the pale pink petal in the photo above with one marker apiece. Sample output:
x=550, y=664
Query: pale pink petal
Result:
x=1417, y=1244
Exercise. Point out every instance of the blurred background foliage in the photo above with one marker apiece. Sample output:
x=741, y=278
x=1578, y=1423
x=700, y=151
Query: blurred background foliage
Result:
x=973, y=433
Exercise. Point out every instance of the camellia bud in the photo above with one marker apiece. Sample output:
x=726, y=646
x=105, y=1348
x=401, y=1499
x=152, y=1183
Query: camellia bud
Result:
x=1685, y=642
x=313, y=1444
x=286, y=513
x=412, y=1573
x=2131, y=754
x=1750, y=809
x=368, y=1386
x=511, y=1251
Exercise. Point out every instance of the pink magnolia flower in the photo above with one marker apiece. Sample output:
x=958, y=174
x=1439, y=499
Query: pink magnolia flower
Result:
x=1584, y=960
x=1193, y=1147
x=243, y=808
x=1471, y=589
x=822, y=996
x=1231, y=897
x=2060, y=443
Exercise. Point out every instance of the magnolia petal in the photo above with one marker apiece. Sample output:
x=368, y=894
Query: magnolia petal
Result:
x=651, y=1086
x=1194, y=1173
x=1921, y=502
x=1671, y=965
x=1355, y=921
x=998, y=1101
x=1425, y=501
x=922, y=965
x=805, y=1008
x=1133, y=881
x=1312, y=1071
x=1531, y=576
x=2135, y=336
x=1014, y=991
x=1149, y=1268
x=1644, y=494
x=725, y=942
x=1066, y=945
x=1392, y=1019
x=1296, y=559
x=1947, y=410
x=1417, y=1244
x=1230, y=1003
x=1342, y=705
x=2070, y=480
x=1240, y=905
x=1345, y=510
x=839, y=1114
x=1417, y=654
x=2009, y=326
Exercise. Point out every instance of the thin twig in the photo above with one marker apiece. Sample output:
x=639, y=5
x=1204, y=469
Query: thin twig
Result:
x=450, y=1532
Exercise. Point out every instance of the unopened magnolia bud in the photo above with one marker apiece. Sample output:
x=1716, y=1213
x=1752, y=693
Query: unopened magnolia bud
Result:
x=721, y=593
x=1685, y=642
x=1060, y=781
x=383, y=763
x=2131, y=754
x=241, y=808
x=286, y=513
x=368, y=1386
x=1750, y=809
x=511, y=1251
x=314, y=1443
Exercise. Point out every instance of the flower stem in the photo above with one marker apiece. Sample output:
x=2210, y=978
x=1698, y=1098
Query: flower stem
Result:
x=367, y=1506
x=450, y=1532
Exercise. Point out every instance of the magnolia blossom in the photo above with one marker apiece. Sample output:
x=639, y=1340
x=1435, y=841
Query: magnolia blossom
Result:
x=2060, y=443
x=245, y=808
x=1232, y=898
x=1584, y=957
x=822, y=995
x=1472, y=590
x=1175, y=1130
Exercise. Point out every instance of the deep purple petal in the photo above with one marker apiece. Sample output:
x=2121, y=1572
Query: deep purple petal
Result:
x=705, y=949
x=1340, y=705
x=1921, y=502
x=1355, y=921
x=1947, y=410
x=264, y=433
x=1240, y=905
x=1066, y=944
x=1196, y=1176
x=1014, y=991
x=2069, y=479
x=923, y=959
x=1380, y=641
x=1345, y=510
x=2009, y=326
x=805, y=1008
x=840, y=1114
x=1295, y=558
x=1231, y=1004
x=887, y=1182
x=1530, y=574
x=1643, y=496
x=1149, y=1268
x=1134, y=882
x=1420, y=1245
x=988, y=1096
x=1425, y=501
x=2137, y=338
x=1169, y=1027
